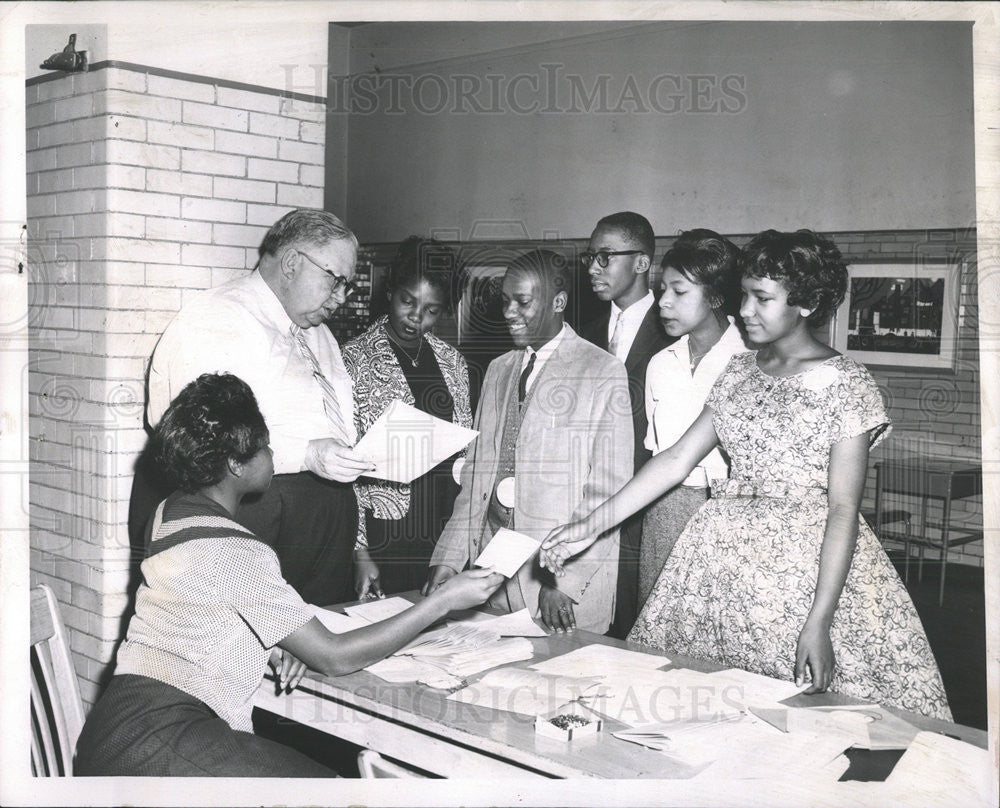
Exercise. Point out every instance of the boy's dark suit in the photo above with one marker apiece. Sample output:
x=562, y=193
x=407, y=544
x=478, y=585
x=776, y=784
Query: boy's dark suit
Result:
x=650, y=339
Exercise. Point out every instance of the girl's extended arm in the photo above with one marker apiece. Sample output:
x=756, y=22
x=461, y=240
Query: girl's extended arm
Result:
x=845, y=485
x=665, y=470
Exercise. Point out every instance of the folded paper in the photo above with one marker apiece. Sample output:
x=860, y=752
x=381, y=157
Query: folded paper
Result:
x=405, y=443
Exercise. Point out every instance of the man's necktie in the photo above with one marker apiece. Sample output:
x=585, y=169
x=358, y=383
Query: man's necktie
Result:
x=616, y=336
x=330, y=402
x=522, y=385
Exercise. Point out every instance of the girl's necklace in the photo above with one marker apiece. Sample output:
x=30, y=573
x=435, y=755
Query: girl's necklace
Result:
x=695, y=358
x=413, y=359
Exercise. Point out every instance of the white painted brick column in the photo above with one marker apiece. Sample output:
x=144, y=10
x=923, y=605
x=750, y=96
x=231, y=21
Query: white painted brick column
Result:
x=142, y=189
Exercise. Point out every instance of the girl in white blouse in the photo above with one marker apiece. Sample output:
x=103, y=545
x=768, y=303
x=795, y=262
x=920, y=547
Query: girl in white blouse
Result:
x=700, y=286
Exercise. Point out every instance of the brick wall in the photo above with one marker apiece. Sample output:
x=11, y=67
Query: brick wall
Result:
x=143, y=186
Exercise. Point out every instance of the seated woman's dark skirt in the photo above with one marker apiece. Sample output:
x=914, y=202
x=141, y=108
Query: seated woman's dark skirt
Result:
x=142, y=727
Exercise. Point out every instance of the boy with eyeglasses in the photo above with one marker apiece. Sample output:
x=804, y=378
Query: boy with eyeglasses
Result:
x=617, y=261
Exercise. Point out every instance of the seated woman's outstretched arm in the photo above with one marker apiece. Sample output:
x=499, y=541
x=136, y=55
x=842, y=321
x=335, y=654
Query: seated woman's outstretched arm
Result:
x=337, y=654
x=665, y=470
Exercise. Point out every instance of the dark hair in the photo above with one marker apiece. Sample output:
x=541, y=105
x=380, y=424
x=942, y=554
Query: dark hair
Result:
x=426, y=259
x=635, y=227
x=551, y=268
x=808, y=265
x=213, y=419
x=304, y=225
x=710, y=260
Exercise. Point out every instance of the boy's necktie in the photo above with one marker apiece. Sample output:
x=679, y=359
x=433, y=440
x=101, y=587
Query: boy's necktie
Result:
x=330, y=402
x=616, y=336
x=522, y=385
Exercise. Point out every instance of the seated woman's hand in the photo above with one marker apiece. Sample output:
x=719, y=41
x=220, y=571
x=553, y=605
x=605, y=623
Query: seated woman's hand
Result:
x=469, y=588
x=563, y=543
x=289, y=669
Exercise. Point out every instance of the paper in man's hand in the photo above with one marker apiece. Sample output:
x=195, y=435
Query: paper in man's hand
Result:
x=507, y=551
x=405, y=443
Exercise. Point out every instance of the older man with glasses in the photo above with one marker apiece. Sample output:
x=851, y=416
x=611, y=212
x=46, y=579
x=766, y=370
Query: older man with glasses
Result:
x=267, y=328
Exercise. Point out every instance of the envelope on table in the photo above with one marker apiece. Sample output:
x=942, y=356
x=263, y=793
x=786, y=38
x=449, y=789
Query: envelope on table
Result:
x=405, y=442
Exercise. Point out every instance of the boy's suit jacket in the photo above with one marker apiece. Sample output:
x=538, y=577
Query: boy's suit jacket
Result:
x=574, y=450
x=649, y=340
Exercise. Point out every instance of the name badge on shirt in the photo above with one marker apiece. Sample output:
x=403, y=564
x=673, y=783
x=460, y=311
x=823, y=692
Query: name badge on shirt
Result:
x=506, y=492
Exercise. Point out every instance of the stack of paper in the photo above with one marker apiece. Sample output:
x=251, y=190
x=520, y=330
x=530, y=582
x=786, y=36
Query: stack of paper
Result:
x=448, y=639
x=456, y=650
x=470, y=662
x=409, y=669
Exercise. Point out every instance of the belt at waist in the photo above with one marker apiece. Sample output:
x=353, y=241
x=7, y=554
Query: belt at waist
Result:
x=759, y=489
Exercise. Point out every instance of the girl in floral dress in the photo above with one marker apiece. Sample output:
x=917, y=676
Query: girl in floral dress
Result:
x=778, y=573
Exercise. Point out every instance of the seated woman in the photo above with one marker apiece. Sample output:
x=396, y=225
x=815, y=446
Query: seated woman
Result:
x=398, y=358
x=778, y=573
x=213, y=604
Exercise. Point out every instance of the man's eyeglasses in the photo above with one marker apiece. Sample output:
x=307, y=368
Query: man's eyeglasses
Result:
x=340, y=283
x=604, y=256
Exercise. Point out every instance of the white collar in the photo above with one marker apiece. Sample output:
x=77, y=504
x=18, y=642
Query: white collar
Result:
x=547, y=349
x=641, y=306
x=731, y=336
x=269, y=303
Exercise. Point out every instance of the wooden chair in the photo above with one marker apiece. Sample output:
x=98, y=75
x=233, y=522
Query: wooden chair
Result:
x=372, y=765
x=56, y=706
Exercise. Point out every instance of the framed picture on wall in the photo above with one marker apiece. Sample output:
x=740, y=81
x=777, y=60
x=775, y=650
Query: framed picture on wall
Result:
x=480, y=311
x=900, y=315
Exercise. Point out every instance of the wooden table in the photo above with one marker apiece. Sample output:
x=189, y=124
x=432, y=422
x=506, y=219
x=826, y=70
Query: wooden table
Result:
x=420, y=726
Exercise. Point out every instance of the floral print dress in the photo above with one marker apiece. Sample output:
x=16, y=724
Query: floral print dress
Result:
x=741, y=579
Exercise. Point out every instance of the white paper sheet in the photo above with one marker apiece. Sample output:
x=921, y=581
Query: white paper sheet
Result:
x=936, y=770
x=754, y=751
x=601, y=660
x=373, y=611
x=515, y=624
x=641, y=698
x=752, y=689
x=507, y=552
x=523, y=691
x=405, y=442
x=336, y=622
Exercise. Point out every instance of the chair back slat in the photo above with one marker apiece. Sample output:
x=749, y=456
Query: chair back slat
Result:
x=45, y=740
x=42, y=627
x=56, y=708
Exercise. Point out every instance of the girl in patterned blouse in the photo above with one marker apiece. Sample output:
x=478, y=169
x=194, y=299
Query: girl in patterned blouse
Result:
x=399, y=358
x=213, y=605
x=778, y=573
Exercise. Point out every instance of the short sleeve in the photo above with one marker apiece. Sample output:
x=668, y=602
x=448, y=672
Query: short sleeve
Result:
x=858, y=406
x=248, y=577
x=734, y=371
